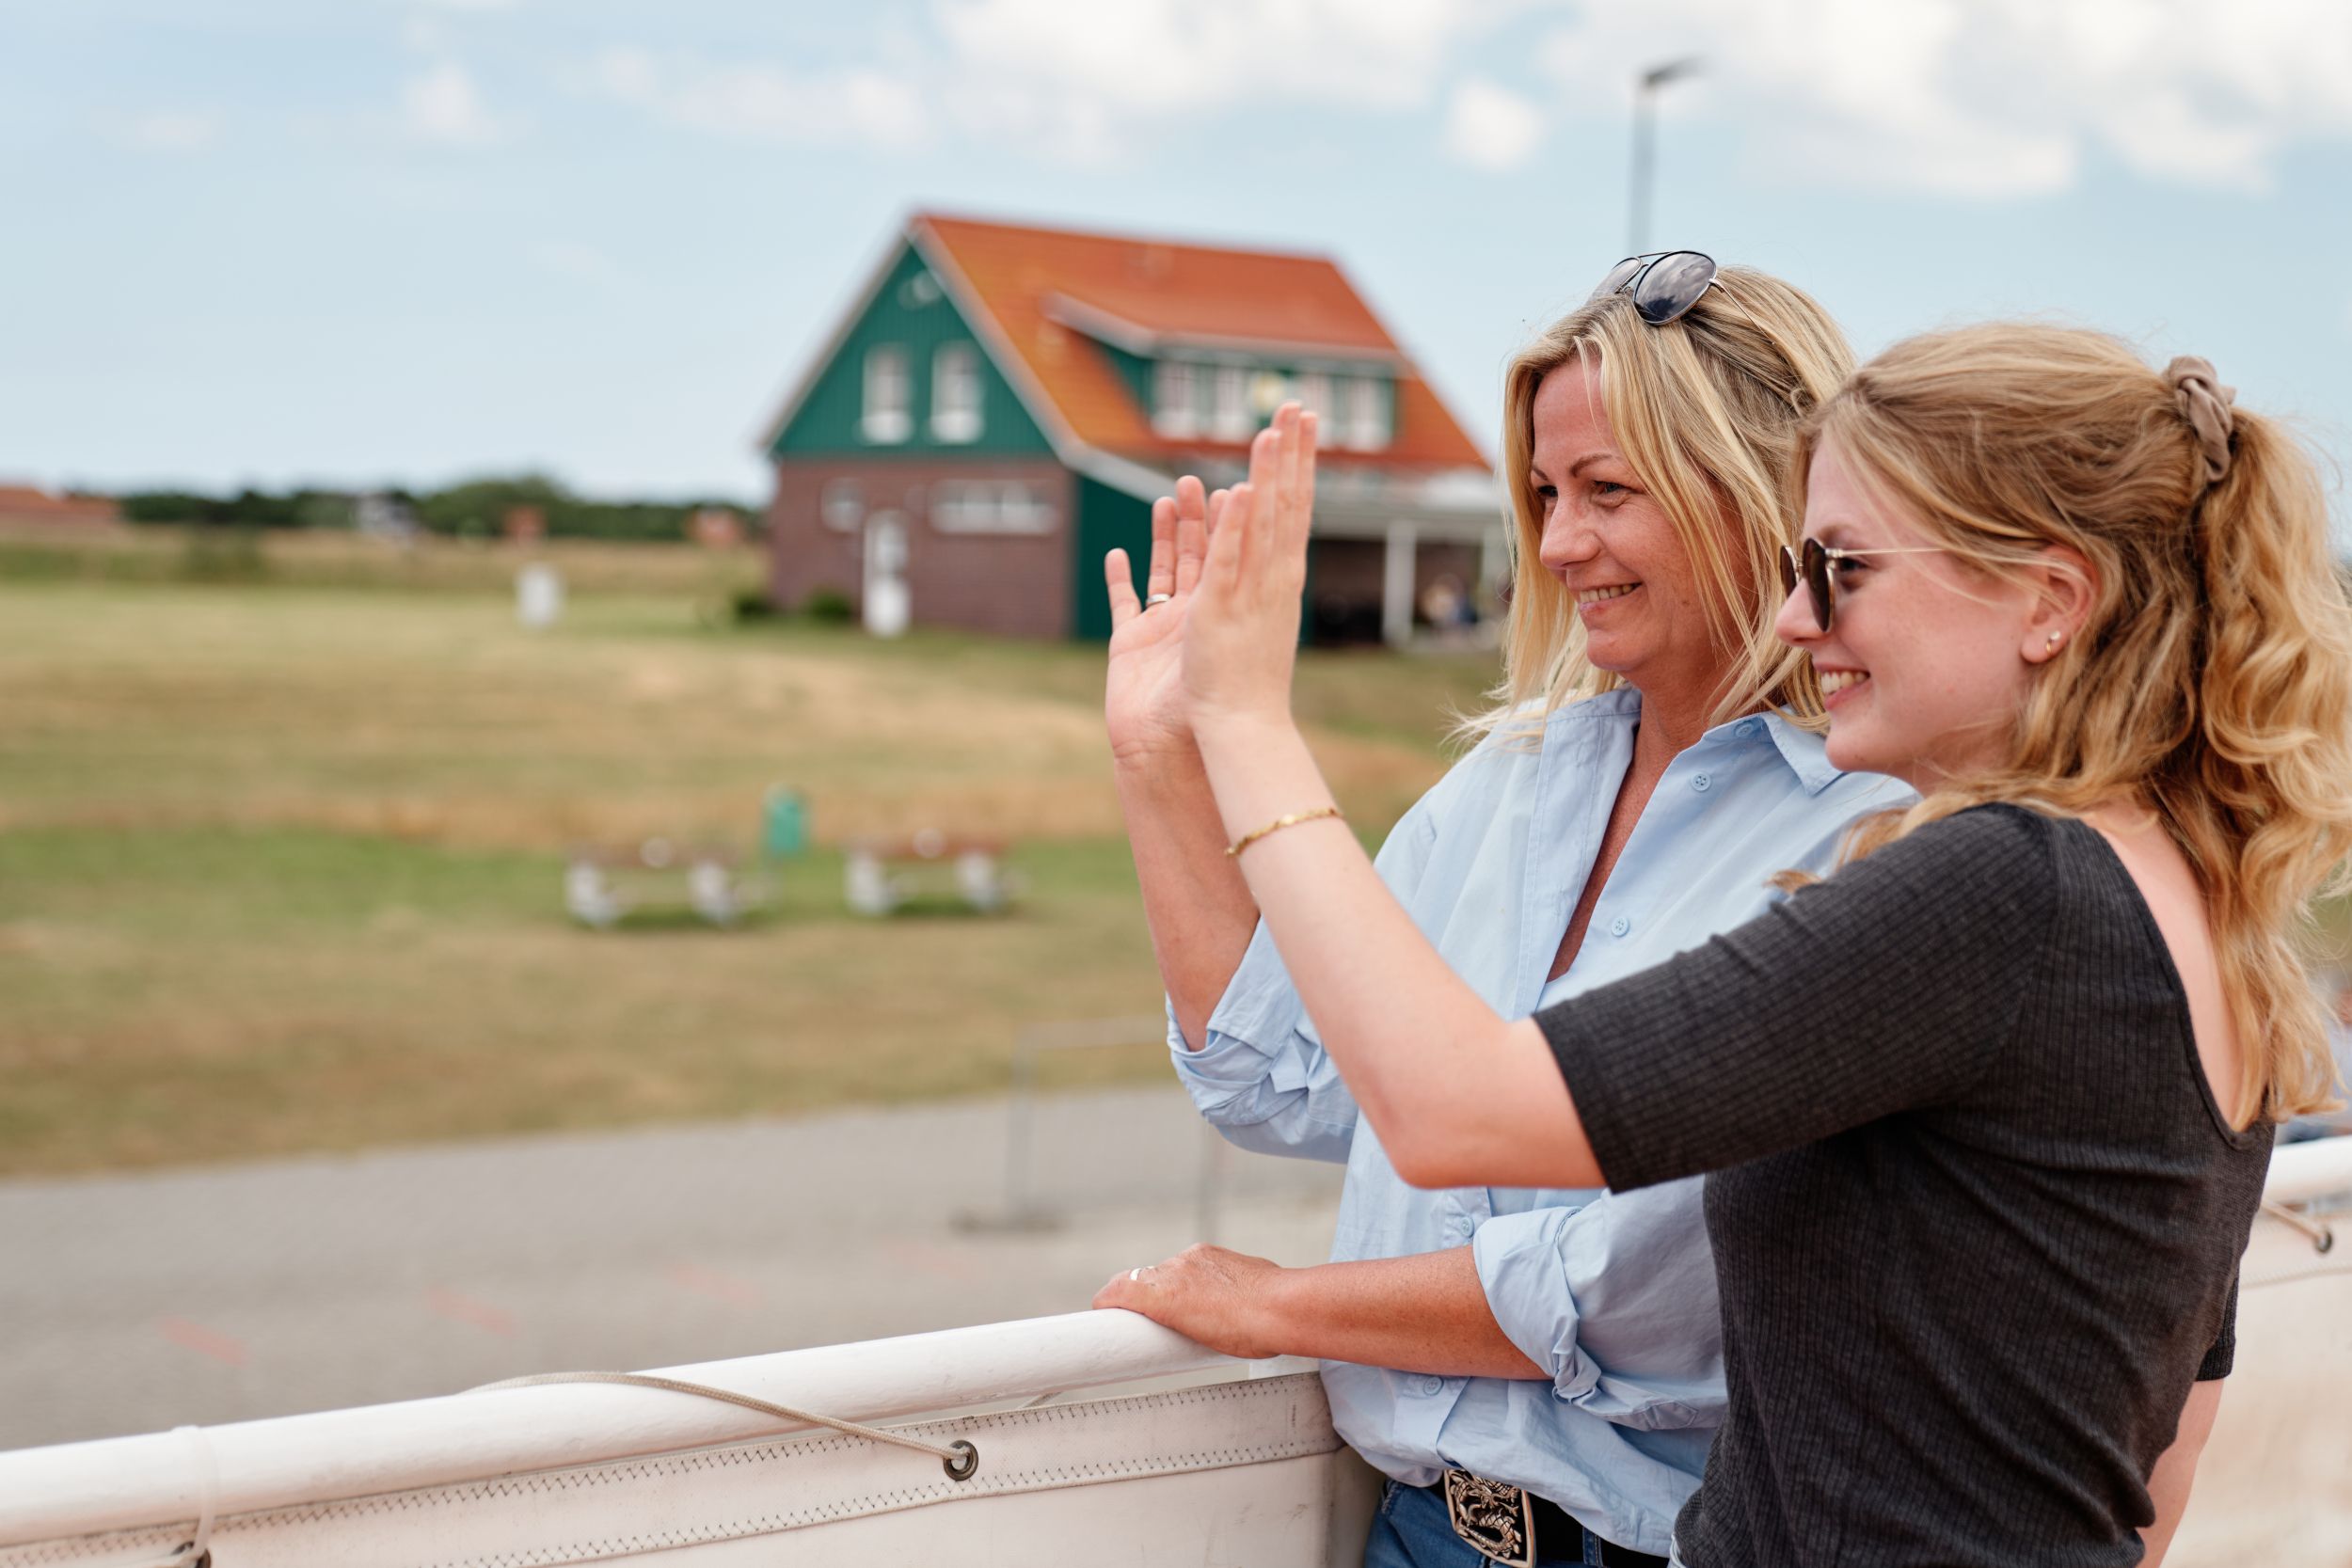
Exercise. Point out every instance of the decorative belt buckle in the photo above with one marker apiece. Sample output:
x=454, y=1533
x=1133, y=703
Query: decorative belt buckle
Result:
x=1493, y=1517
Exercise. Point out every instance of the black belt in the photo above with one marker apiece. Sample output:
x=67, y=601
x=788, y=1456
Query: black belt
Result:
x=1510, y=1525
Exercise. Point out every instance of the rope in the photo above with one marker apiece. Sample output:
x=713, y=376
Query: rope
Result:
x=2323, y=1238
x=959, y=1459
x=196, y=1552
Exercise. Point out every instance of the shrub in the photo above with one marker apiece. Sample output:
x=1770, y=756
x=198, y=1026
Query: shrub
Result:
x=830, y=606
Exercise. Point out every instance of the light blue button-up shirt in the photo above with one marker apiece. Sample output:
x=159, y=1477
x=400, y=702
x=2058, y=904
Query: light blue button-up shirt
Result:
x=1613, y=1295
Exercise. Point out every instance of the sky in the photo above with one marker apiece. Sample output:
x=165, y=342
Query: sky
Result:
x=362, y=242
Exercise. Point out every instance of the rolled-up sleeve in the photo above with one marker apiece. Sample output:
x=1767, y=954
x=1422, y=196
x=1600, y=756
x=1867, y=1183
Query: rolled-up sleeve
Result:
x=1616, y=1300
x=1261, y=1077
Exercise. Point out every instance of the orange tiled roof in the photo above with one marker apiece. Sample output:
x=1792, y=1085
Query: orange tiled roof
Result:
x=25, y=503
x=1181, y=292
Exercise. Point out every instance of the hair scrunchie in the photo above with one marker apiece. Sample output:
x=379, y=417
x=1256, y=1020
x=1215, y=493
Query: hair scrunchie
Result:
x=2204, y=403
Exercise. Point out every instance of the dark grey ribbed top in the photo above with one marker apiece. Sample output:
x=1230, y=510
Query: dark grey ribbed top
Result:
x=1976, y=1212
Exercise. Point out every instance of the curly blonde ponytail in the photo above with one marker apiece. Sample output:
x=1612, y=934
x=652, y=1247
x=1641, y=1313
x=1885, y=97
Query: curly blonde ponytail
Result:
x=2213, y=677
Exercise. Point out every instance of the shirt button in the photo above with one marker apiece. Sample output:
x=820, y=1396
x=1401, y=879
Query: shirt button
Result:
x=1750, y=728
x=1702, y=784
x=1428, y=1385
x=1620, y=925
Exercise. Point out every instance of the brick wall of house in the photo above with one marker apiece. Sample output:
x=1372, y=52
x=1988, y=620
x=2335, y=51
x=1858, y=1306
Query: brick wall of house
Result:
x=1008, y=584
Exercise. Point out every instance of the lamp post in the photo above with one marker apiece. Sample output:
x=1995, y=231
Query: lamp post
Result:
x=1644, y=139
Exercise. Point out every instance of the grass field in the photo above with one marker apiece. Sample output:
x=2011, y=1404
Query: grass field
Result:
x=280, y=863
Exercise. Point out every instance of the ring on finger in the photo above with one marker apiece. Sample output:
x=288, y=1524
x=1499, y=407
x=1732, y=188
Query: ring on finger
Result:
x=1157, y=599
x=1134, y=1275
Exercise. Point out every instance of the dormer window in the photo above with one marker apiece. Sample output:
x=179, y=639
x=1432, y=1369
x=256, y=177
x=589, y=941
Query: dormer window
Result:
x=1175, y=399
x=1313, y=391
x=1229, y=404
x=1362, y=418
x=888, y=418
x=956, y=393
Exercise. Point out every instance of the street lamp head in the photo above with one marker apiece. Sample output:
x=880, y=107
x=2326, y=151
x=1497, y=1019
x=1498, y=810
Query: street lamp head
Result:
x=1673, y=70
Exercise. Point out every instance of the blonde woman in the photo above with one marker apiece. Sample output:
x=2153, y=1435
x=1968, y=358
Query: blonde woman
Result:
x=1986, y=1114
x=1530, y=1360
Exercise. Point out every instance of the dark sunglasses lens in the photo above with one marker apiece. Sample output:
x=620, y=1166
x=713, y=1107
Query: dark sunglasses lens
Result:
x=1787, y=571
x=1816, y=580
x=1620, y=275
x=1672, y=285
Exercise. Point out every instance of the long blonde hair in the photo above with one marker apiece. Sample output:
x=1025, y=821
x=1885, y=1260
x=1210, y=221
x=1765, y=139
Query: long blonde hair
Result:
x=1706, y=410
x=2213, y=677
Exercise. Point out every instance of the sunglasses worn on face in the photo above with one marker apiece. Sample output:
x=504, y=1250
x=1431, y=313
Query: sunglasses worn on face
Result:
x=1665, y=284
x=1812, y=569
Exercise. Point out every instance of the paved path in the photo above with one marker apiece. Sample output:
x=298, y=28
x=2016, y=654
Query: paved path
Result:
x=138, y=1302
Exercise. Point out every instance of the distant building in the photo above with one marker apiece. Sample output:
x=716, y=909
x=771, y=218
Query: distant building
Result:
x=1000, y=405
x=28, y=505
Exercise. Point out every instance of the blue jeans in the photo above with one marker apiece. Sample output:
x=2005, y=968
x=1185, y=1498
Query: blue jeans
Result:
x=1411, y=1530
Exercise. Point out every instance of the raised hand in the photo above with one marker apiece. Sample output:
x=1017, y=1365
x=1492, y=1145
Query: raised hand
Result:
x=1241, y=626
x=1143, y=690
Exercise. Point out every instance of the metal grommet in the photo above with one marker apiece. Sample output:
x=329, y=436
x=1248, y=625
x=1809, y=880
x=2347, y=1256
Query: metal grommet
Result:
x=2325, y=1240
x=965, y=1464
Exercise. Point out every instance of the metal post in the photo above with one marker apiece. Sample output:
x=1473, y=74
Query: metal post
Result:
x=1645, y=87
x=1020, y=1210
x=1644, y=132
x=1206, y=1201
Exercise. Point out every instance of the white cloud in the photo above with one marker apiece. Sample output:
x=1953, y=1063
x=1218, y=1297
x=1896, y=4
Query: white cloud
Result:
x=1987, y=97
x=1031, y=71
x=443, y=105
x=169, y=132
x=1491, y=127
x=1076, y=84
x=860, y=105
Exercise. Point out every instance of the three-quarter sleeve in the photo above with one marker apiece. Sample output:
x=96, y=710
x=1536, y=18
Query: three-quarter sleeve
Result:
x=1616, y=1300
x=1887, y=988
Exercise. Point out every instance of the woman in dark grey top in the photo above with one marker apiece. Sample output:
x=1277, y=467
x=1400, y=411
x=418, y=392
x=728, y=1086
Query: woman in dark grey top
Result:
x=1973, y=1207
x=1987, y=1112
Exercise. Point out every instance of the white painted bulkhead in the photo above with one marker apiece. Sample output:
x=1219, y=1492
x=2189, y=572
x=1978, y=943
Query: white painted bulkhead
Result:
x=1237, y=1464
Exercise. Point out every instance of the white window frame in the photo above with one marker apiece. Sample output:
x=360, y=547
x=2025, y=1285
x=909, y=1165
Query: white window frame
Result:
x=956, y=393
x=1365, y=413
x=888, y=386
x=1312, y=388
x=1176, y=397
x=992, y=506
x=842, y=505
x=1229, y=404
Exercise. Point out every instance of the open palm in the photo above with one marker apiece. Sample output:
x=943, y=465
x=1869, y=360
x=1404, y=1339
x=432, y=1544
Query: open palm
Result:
x=1143, y=691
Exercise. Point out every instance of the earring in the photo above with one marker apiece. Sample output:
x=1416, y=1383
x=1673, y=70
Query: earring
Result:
x=2056, y=638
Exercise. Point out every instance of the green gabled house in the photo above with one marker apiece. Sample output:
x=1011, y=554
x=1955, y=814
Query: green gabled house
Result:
x=1001, y=405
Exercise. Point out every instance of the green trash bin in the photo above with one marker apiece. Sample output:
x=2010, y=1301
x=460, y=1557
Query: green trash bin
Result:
x=784, y=833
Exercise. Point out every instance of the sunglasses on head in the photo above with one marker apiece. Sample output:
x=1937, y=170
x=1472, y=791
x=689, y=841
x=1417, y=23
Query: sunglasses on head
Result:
x=1812, y=569
x=1665, y=284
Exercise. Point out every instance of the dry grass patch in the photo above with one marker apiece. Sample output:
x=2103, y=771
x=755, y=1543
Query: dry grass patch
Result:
x=280, y=867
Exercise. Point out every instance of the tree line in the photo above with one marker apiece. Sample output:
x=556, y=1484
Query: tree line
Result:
x=475, y=509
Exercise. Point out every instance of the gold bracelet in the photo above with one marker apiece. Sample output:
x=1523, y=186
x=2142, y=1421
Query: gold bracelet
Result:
x=1292, y=820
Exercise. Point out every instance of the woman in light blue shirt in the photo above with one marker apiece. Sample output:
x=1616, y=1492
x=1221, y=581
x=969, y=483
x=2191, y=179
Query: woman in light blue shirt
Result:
x=1539, y=1372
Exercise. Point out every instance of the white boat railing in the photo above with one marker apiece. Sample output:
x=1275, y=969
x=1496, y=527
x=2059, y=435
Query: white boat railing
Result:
x=1175, y=1468
x=2301, y=1173
x=120, y=1482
